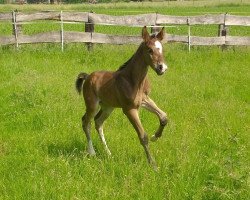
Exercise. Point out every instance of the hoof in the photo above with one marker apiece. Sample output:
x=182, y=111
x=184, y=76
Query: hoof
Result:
x=154, y=138
x=108, y=152
x=91, y=152
x=155, y=168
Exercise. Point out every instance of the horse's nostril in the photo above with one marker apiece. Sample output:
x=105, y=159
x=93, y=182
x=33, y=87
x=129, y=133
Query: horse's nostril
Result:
x=160, y=67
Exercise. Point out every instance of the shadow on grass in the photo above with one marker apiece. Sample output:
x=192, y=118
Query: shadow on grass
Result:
x=73, y=149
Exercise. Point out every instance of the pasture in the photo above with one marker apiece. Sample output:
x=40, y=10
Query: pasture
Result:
x=204, y=150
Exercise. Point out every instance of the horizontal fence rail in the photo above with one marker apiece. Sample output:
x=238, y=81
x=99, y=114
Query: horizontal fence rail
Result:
x=130, y=20
x=82, y=37
x=152, y=20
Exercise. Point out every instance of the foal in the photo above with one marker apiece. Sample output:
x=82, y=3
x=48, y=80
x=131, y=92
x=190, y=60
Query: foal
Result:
x=126, y=88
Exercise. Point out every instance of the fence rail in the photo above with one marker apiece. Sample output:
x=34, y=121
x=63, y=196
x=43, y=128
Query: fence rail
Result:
x=82, y=37
x=130, y=20
x=153, y=20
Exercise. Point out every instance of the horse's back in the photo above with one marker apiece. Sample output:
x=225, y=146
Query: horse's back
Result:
x=100, y=77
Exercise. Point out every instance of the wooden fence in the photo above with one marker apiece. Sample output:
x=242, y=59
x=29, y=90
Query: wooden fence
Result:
x=90, y=19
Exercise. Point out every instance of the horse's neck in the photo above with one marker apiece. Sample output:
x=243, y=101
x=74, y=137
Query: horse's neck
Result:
x=137, y=68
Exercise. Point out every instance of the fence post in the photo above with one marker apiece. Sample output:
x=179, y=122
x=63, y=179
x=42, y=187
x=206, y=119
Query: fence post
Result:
x=189, y=34
x=223, y=30
x=89, y=28
x=16, y=28
x=62, y=35
x=155, y=29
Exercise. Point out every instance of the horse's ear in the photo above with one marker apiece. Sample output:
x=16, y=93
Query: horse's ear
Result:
x=145, y=34
x=161, y=34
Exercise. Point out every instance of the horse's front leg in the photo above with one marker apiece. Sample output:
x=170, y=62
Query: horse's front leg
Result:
x=150, y=105
x=133, y=117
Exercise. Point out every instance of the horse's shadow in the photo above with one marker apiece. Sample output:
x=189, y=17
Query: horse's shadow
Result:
x=73, y=149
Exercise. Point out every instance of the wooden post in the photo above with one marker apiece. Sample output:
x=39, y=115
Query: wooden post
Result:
x=155, y=29
x=62, y=35
x=14, y=25
x=189, y=35
x=223, y=30
x=16, y=28
x=89, y=27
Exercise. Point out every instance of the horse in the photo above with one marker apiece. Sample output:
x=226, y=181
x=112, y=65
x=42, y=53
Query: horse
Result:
x=126, y=88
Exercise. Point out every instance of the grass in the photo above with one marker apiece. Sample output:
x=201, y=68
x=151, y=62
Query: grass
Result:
x=238, y=7
x=203, y=153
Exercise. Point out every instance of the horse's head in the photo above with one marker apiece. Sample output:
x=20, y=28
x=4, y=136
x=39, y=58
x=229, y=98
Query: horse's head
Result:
x=153, y=51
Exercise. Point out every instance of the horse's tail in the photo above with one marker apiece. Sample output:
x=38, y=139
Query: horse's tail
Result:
x=79, y=81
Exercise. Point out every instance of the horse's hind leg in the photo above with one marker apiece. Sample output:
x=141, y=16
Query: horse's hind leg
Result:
x=150, y=105
x=102, y=115
x=86, y=126
x=91, y=109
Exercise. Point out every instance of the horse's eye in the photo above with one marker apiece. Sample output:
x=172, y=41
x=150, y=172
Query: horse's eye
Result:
x=150, y=51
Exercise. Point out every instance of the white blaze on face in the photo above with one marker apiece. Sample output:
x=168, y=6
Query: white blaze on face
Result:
x=158, y=46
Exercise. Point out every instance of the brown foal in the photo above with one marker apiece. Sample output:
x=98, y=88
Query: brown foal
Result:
x=126, y=88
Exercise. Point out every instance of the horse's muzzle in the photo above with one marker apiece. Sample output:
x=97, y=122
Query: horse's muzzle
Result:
x=161, y=68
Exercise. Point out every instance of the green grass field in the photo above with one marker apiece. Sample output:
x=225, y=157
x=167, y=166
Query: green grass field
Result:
x=203, y=153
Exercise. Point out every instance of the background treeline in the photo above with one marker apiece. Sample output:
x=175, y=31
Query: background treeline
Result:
x=67, y=1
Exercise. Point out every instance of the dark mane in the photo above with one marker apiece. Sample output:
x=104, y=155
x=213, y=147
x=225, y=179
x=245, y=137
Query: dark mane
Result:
x=128, y=61
x=124, y=64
